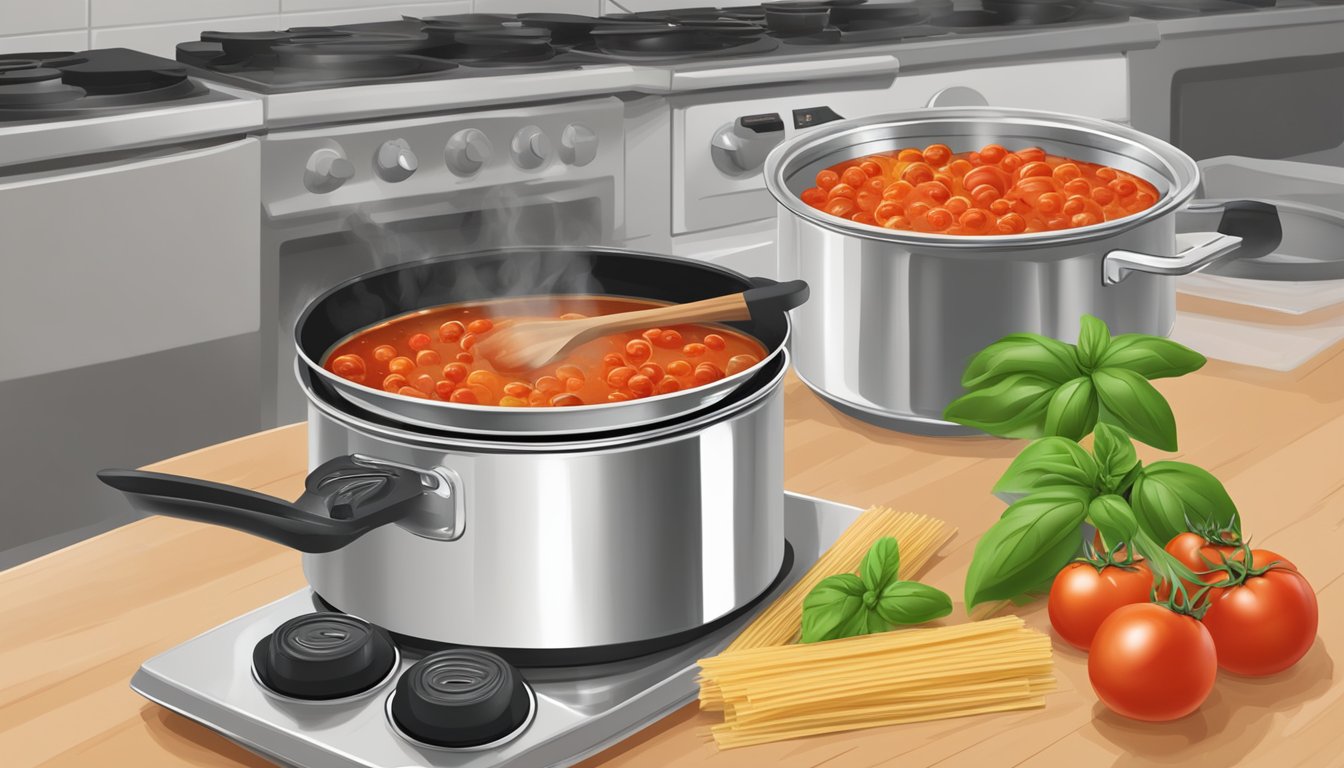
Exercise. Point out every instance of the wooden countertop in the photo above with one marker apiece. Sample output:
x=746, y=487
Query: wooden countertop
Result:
x=76, y=624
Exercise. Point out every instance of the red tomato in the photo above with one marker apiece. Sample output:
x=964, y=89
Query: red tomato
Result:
x=480, y=326
x=917, y=173
x=401, y=365
x=694, y=349
x=870, y=168
x=549, y=385
x=939, y=219
x=937, y=154
x=427, y=357
x=1264, y=625
x=814, y=196
x=566, y=400
x=992, y=153
x=680, y=367
x=638, y=350
x=418, y=341
x=841, y=206
x=673, y=339
x=1082, y=597
x=451, y=330
x=827, y=179
x=640, y=385
x=1201, y=556
x=384, y=352
x=618, y=377
x=1149, y=663
x=715, y=341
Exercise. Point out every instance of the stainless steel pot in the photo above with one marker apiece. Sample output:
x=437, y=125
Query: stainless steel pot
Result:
x=520, y=272
x=549, y=549
x=894, y=316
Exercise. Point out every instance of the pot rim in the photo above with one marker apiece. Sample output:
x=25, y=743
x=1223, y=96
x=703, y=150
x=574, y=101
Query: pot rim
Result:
x=1178, y=170
x=503, y=420
x=597, y=443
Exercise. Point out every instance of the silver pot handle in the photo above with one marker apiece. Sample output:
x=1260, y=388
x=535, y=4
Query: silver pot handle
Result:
x=1247, y=229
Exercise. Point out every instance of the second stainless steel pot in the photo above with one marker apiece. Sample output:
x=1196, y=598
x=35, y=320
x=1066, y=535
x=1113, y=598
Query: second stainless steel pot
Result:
x=894, y=316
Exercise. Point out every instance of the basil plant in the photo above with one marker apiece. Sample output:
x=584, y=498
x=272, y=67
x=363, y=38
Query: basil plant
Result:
x=1028, y=385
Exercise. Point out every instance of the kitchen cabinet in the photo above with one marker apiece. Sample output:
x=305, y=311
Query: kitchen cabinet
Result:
x=76, y=624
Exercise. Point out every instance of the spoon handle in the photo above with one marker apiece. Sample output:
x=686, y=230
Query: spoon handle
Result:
x=776, y=297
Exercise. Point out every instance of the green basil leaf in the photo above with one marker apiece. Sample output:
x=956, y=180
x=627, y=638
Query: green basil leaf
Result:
x=1170, y=495
x=1072, y=411
x=1152, y=357
x=873, y=623
x=1012, y=407
x=1093, y=339
x=881, y=564
x=833, y=607
x=1034, y=539
x=909, y=602
x=1115, y=456
x=1113, y=517
x=1132, y=403
x=1031, y=353
x=1058, y=458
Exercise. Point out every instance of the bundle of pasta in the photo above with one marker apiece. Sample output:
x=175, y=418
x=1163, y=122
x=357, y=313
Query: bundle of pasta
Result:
x=902, y=676
x=919, y=536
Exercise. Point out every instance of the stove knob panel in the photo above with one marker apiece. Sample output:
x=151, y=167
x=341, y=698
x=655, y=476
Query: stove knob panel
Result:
x=327, y=170
x=578, y=145
x=395, y=161
x=531, y=147
x=467, y=152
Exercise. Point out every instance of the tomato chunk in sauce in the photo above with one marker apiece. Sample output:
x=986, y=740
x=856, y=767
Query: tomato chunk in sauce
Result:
x=988, y=192
x=429, y=354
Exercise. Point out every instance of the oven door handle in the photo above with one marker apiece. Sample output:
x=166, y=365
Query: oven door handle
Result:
x=1247, y=229
x=786, y=72
x=343, y=499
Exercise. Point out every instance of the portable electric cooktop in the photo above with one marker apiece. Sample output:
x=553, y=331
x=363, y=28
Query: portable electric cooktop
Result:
x=324, y=690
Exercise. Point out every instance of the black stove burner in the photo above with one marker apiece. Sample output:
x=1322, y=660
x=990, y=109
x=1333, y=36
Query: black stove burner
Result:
x=321, y=656
x=460, y=699
x=61, y=84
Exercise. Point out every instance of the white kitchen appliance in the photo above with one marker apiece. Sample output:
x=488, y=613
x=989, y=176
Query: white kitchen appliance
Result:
x=386, y=144
x=128, y=199
x=1254, y=94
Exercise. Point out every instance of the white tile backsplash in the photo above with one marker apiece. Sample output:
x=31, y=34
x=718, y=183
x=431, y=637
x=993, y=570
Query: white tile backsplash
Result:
x=73, y=40
x=21, y=17
x=162, y=39
x=379, y=13
x=122, y=13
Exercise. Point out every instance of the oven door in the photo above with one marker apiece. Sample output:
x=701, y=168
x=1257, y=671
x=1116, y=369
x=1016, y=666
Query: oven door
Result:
x=1271, y=93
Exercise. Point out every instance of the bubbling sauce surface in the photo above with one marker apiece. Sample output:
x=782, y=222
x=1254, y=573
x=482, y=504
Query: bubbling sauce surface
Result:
x=429, y=354
x=988, y=192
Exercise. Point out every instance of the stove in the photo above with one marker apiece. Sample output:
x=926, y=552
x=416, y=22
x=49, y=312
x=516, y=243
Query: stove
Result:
x=325, y=690
x=65, y=85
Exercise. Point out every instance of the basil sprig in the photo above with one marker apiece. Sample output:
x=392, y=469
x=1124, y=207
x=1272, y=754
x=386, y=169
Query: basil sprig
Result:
x=1065, y=485
x=875, y=600
x=1027, y=385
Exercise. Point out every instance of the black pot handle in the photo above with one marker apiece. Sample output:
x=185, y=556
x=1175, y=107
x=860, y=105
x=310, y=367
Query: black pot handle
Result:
x=344, y=499
x=1247, y=229
x=770, y=297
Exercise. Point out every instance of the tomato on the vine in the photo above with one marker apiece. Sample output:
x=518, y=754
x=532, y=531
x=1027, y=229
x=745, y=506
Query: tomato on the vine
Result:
x=1196, y=553
x=1264, y=624
x=1083, y=596
x=1203, y=556
x=1151, y=663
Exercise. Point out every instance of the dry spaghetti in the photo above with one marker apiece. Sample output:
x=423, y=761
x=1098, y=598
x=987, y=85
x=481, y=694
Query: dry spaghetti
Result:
x=903, y=676
x=919, y=538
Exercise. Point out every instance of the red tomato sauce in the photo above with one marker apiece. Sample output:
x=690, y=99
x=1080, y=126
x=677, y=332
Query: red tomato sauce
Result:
x=989, y=192
x=429, y=354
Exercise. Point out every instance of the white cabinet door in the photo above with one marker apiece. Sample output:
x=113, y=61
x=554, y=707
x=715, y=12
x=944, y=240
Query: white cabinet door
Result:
x=106, y=262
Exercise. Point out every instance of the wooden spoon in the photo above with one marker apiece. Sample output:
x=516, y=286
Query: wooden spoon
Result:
x=528, y=345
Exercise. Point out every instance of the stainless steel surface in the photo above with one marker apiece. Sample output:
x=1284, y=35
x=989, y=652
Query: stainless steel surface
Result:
x=570, y=546
x=580, y=710
x=544, y=271
x=895, y=316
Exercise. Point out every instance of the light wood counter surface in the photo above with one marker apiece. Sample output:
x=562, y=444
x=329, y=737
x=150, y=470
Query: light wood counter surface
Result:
x=74, y=625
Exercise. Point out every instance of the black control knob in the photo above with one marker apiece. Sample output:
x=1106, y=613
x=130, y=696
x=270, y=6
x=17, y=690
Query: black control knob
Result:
x=324, y=656
x=461, y=698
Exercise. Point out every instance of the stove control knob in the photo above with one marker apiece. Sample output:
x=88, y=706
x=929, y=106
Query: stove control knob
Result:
x=461, y=698
x=327, y=170
x=395, y=160
x=578, y=145
x=740, y=148
x=467, y=151
x=323, y=656
x=530, y=147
